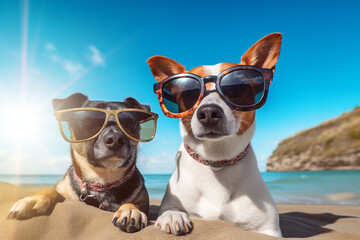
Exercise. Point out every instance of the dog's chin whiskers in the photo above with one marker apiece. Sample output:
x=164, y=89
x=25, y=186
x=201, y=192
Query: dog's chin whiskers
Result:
x=242, y=130
x=242, y=121
x=247, y=124
x=187, y=124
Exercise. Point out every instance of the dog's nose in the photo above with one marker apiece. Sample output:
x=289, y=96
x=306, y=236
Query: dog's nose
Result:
x=113, y=140
x=209, y=115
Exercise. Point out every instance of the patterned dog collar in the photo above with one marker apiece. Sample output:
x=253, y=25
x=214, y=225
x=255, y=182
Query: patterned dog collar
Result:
x=221, y=163
x=85, y=186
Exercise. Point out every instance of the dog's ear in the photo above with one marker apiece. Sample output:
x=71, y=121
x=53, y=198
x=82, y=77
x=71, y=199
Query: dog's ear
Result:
x=264, y=53
x=146, y=107
x=73, y=101
x=162, y=67
x=133, y=103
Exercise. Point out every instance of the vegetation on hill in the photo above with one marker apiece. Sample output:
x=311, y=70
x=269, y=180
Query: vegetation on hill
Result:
x=334, y=144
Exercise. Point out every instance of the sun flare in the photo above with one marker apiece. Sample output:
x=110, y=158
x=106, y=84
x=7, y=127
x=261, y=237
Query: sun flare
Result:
x=20, y=122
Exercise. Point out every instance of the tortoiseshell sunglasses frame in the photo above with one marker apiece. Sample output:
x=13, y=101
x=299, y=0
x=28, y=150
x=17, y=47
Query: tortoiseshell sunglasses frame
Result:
x=108, y=114
x=266, y=73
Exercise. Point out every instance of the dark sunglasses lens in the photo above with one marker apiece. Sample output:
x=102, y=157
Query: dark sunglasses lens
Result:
x=243, y=87
x=81, y=125
x=181, y=94
x=138, y=125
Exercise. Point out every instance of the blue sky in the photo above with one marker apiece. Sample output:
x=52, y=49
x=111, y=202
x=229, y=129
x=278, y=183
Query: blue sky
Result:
x=99, y=48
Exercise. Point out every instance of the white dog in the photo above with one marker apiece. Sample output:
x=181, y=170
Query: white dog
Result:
x=216, y=175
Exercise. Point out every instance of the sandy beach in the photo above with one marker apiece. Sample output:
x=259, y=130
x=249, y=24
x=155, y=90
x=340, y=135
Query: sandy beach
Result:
x=75, y=220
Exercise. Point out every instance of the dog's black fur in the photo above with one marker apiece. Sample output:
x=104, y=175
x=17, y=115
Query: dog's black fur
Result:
x=96, y=152
x=113, y=198
x=103, y=162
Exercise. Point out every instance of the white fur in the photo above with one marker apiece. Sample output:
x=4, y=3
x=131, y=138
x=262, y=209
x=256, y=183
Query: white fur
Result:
x=213, y=69
x=229, y=122
x=236, y=194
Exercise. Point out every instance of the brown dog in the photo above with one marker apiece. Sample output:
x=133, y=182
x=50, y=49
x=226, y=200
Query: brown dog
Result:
x=103, y=173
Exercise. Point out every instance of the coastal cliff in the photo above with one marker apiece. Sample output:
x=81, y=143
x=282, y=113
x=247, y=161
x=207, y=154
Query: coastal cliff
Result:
x=333, y=145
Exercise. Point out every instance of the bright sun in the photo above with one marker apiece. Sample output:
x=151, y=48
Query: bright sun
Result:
x=20, y=122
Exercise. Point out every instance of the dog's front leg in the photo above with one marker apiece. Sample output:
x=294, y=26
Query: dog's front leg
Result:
x=129, y=218
x=174, y=222
x=35, y=205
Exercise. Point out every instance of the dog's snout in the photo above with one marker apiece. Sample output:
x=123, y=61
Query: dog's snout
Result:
x=209, y=115
x=113, y=140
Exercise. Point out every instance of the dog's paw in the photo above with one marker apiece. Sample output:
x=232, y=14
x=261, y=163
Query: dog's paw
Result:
x=129, y=218
x=30, y=207
x=175, y=222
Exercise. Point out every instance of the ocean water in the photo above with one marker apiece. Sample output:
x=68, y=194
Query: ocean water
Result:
x=323, y=187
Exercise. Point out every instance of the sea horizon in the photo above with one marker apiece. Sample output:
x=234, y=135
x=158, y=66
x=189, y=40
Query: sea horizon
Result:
x=308, y=187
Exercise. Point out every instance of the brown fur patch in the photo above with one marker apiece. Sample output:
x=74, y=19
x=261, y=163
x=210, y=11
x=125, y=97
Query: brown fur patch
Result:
x=210, y=86
x=49, y=193
x=80, y=149
x=131, y=217
x=203, y=71
x=35, y=205
x=127, y=206
x=162, y=67
x=264, y=53
x=246, y=120
x=65, y=188
x=187, y=124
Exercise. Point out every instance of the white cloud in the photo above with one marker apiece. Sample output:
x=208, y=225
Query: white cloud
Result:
x=54, y=58
x=69, y=64
x=72, y=67
x=4, y=153
x=25, y=163
x=262, y=162
x=161, y=163
x=263, y=157
x=49, y=47
x=96, y=56
x=34, y=72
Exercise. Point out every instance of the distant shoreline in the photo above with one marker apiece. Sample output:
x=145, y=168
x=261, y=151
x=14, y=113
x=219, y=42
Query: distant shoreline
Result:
x=305, y=187
x=167, y=174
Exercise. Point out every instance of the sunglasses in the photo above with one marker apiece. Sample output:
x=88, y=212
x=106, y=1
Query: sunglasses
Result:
x=243, y=88
x=84, y=124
